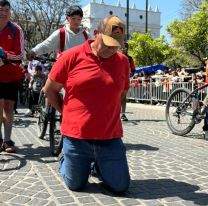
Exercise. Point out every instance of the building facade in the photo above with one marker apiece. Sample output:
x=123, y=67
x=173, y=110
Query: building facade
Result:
x=96, y=11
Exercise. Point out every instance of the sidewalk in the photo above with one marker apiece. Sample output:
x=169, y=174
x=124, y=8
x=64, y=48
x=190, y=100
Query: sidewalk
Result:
x=165, y=169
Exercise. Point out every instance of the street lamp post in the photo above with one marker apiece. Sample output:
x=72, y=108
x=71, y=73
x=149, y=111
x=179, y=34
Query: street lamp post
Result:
x=127, y=19
x=146, y=27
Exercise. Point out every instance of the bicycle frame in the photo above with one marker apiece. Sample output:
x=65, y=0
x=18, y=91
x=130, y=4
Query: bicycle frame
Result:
x=198, y=113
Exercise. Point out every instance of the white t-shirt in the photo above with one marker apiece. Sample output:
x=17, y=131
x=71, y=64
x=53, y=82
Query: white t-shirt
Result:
x=52, y=43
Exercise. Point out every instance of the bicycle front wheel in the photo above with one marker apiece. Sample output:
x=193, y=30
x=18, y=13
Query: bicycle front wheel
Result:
x=180, y=112
x=56, y=140
x=43, y=115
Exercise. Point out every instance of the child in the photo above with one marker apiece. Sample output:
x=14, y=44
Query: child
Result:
x=36, y=83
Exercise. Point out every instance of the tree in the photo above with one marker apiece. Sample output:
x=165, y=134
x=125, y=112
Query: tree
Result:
x=39, y=18
x=148, y=51
x=189, y=7
x=191, y=35
x=180, y=58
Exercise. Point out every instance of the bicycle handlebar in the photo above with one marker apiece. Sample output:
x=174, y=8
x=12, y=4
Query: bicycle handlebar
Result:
x=45, y=59
x=9, y=61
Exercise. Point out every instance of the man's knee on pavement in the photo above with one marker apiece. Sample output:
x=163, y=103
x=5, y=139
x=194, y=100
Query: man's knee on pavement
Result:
x=75, y=184
x=118, y=187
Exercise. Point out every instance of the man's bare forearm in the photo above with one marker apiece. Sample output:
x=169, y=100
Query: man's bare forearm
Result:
x=52, y=91
x=55, y=100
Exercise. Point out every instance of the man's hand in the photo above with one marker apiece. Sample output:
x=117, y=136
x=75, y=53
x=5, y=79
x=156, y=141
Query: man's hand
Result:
x=31, y=55
x=2, y=54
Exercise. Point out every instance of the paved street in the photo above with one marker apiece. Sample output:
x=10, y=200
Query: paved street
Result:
x=166, y=170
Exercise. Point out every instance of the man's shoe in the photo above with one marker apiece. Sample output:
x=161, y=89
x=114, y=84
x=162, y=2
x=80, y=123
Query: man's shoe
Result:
x=28, y=113
x=95, y=173
x=123, y=117
x=9, y=147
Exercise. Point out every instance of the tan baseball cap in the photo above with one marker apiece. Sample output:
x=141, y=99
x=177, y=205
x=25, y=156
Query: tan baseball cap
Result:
x=113, y=32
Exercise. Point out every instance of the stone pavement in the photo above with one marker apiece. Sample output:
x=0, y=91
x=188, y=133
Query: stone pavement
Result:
x=165, y=169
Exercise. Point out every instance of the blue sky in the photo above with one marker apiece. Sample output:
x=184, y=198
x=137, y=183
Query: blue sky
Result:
x=170, y=9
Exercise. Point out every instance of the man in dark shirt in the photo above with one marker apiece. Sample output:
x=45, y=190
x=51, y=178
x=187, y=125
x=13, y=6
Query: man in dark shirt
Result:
x=132, y=71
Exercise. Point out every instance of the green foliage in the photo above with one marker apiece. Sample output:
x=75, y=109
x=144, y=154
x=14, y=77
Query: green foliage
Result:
x=148, y=51
x=191, y=35
x=181, y=58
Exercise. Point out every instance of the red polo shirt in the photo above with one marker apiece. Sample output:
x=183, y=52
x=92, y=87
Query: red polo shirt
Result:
x=91, y=108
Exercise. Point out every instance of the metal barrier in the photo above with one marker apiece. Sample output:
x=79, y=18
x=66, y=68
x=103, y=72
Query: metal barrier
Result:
x=156, y=92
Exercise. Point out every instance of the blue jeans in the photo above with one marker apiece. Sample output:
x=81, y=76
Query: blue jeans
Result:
x=109, y=156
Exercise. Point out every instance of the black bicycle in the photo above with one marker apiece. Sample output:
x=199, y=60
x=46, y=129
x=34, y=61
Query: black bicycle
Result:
x=184, y=108
x=24, y=95
x=43, y=115
x=49, y=117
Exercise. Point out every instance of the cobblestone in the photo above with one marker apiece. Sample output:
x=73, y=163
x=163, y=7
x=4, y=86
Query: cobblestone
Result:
x=166, y=170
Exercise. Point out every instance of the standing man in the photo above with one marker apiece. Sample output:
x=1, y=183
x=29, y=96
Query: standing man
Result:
x=94, y=76
x=67, y=37
x=12, y=47
x=62, y=39
x=132, y=71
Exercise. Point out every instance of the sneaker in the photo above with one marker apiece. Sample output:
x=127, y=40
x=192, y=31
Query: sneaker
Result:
x=28, y=113
x=9, y=147
x=123, y=117
x=95, y=173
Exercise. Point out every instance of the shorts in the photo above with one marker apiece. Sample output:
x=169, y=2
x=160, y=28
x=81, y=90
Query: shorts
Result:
x=9, y=91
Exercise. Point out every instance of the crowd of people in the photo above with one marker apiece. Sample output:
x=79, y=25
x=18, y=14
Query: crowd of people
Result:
x=161, y=77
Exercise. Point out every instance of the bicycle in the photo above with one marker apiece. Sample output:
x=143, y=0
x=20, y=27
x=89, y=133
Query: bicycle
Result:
x=47, y=115
x=24, y=96
x=184, y=109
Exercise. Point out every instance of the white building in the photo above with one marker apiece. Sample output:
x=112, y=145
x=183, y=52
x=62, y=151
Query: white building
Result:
x=94, y=12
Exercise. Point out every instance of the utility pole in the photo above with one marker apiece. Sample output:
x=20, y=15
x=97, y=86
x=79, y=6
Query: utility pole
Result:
x=146, y=28
x=127, y=19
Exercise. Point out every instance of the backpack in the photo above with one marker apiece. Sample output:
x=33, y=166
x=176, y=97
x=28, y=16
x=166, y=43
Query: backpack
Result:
x=62, y=38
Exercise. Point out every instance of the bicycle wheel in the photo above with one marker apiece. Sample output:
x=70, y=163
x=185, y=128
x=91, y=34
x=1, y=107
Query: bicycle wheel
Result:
x=43, y=115
x=180, y=112
x=56, y=141
x=25, y=97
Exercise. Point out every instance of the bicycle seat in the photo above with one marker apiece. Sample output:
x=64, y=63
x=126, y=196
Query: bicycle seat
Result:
x=192, y=70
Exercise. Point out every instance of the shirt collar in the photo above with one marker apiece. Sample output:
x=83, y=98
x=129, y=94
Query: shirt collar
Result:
x=67, y=26
x=87, y=46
